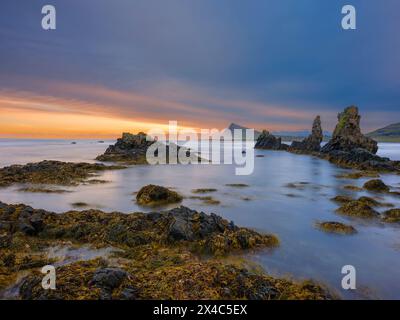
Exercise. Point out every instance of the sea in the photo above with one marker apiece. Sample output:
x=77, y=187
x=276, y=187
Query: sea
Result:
x=268, y=204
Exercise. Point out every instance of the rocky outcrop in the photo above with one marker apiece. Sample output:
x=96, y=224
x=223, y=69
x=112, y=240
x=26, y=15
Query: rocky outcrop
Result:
x=349, y=148
x=152, y=195
x=132, y=149
x=347, y=135
x=313, y=142
x=268, y=141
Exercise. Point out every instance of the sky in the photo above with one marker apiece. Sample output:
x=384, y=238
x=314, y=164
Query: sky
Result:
x=132, y=65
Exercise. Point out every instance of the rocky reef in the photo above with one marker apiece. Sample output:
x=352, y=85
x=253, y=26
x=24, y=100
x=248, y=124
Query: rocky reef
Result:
x=152, y=195
x=268, y=141
x=132, y=149
x=313, y=142
x=160, y=256
x=53, y=172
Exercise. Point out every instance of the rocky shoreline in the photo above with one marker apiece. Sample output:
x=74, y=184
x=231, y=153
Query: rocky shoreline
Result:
x=175, y=254
x=348, y=147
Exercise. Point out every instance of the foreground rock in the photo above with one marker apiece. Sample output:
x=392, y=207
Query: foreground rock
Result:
x=153, y=195
x=159, y=257
x=313, y=142
x=268, y=141
x=132, y=149
x=52, y=172
x=349, y=148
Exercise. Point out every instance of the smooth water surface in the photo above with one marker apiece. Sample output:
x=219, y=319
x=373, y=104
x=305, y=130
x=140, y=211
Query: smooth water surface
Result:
x=268, y=204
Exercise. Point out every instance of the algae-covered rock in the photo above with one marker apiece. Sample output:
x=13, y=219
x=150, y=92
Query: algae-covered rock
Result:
x=347, y=135
x=376, y=185
x=336, y=227
x=392, y=215
x=51, y=172
x=151, y=195
x=357, y=208
x=342, y=199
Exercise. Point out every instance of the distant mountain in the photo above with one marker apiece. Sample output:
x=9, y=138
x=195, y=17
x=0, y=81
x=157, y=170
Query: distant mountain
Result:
x=388, y=133
x=234, y=126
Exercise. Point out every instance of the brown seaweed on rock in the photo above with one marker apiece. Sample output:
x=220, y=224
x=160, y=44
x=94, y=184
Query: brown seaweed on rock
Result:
x=153, y=195
x=52, y=172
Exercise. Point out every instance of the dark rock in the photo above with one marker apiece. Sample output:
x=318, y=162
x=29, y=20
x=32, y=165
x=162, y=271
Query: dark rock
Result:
x=132, y=149
x=190, y=225
x=27, y=286
x=268, y=141
x=129, y=293
x=26, y=229
x=313, y=142
x=108, y=278
x=347, y=135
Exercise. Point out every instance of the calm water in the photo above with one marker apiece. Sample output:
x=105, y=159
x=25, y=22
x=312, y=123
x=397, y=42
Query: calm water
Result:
x=273, y=207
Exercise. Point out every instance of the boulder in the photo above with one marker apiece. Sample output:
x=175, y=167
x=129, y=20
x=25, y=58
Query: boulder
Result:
x=108, y=278
x=376, y=185
x=190, y=225
x=157, y=195
x=313, y=142
x=268, y=141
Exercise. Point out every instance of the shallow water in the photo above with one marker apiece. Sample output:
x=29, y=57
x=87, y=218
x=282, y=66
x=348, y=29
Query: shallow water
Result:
x=267, y=205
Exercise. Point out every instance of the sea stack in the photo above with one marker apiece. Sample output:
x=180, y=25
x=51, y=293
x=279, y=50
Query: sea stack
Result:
x=351, y=149
x=347, y=135
x=268, y=141
x=313, y=142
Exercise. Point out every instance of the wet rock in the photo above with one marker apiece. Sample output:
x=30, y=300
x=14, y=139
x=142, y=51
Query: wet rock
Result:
x=129, y=293
x=349, y=148
x=51, y=172
x=313, y=142
x=376, y=185
x=191, y=225
x=108, y=279
x=268, y=141
x=357, y=209
x=132, y=149
x=336, y=227
x=391, y=216
x=157, y=195
x=347, y=135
